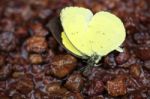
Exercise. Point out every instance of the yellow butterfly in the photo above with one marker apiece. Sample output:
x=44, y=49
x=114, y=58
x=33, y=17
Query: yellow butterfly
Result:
x=87, y=35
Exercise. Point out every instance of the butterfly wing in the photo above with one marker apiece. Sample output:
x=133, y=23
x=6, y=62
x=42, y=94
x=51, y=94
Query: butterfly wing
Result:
x=106, y=32
x=69, y=45
x=75, y=22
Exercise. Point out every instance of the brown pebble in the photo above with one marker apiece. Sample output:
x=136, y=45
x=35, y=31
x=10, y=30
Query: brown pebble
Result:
x=94, y=87
x=7, y=41
x=36, y=44
x=5, y=72
x=147, y=64
x=17, y=96
x=62, y=65
x=117, y=87
x=143, y=52
x=3, y=95
x=38, y=30
x=135, y=70
x=141, y=38
x=73, y=96
x=21, y=32
x=35, y=58
x=17, y=74
x=38, y=94
x=110, y=60
x=2, y=60
x=25, y=84
x=55, y=88
x=97, y=97
x=122, y=57
x=52, y=43
x=75, y=82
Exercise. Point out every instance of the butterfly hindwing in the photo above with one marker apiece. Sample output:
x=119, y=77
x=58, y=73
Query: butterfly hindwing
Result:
x=75, y=22
x=69, y=45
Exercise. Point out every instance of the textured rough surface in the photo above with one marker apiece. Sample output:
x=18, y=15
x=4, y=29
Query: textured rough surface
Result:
x=62, y=65
x=34, y=66
x=117, y=87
